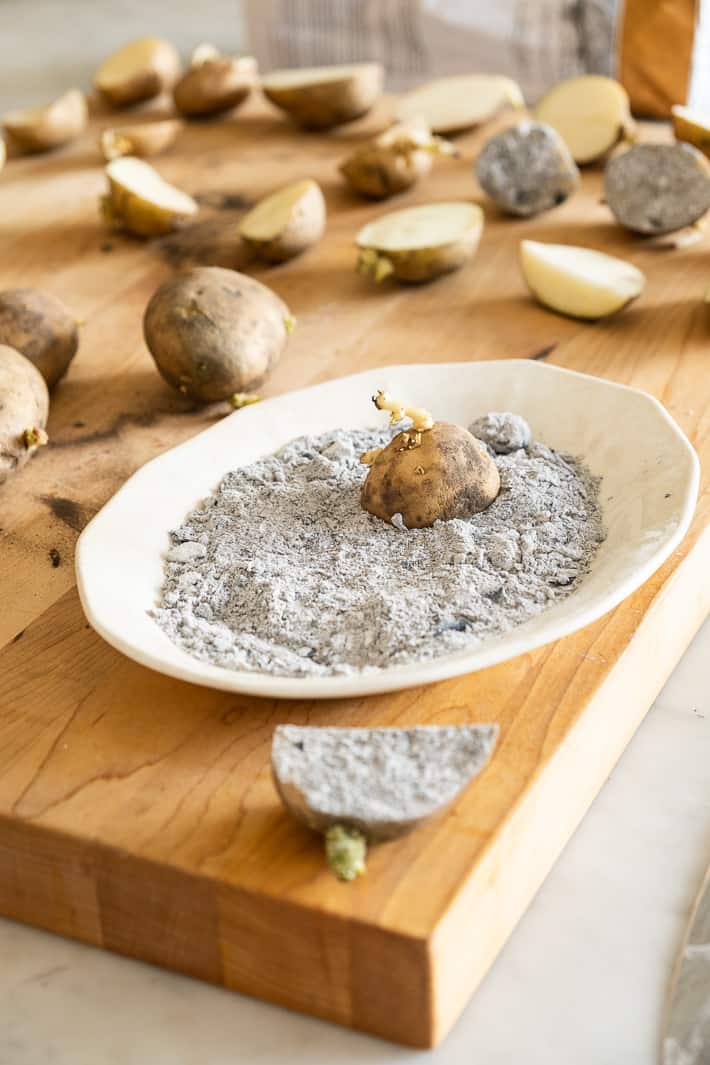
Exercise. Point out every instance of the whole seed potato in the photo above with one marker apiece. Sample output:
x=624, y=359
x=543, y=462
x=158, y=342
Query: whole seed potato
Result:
x=24, y=406
x=214, y=332
x=449, y=475
x=657, y=188
x=41, y=328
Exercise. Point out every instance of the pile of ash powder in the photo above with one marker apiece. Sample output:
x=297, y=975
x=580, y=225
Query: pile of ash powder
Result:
x=281, y=571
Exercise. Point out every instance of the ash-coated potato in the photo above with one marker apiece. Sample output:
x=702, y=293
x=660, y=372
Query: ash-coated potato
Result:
x=138, y=71
x=657, y=188
x=323, y=97
x=393, y=161
x=450, y=475
x=24, y=406
x=142, y=139
x=140, y=201
x=285, y=223
x=418, y=244
x=214, y=83
x=39, y=129
x=41, y=328
x=213, y=332
x=527, y=169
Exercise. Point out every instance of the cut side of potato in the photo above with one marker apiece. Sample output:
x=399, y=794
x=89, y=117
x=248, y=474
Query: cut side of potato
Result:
x=420, y=243
x=457, y=103
x=691, y=127
x=41, y=128
x=3, y=153
x=141, y=201
x=658, y=188
x=144, y=139
x=322, y=97
x=139, y=71
x=591, y=113
x=286, y=222
x=577, y=281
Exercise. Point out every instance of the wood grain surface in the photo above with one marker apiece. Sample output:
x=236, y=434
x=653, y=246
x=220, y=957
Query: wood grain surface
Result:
x=137, y=812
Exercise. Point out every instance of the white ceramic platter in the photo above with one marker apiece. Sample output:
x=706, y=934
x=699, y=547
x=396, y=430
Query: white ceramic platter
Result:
x=650, y=483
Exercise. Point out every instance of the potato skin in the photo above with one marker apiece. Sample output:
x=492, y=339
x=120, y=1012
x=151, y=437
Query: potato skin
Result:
x=62, y=121
x=380, y=171
x=213, y=332
x=214, y=86
x=41, y=328
x=305, y=228
x=330, y=103
x=451, y=475
x=24, y=404
x=160, y=73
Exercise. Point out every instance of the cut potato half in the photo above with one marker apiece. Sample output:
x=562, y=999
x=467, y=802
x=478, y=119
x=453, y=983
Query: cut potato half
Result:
x=322, y=97
x=394, y=160
x=286, y=222
x=691, y=127
x=578, y=282
x=214, y=83
x=141, y=201
x=40, y=128
x=3, y=153
x=139, y=71
x=420, y=243
x=451, y=105
x=145, y=139
x=591, y=113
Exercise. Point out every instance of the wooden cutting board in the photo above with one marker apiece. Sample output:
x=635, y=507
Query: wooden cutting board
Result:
x=137, y=812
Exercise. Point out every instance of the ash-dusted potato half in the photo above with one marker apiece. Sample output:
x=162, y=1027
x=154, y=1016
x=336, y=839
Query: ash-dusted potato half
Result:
x=285, y=223
x=41, y=328
x=450, y=475
x=214, y=83
x=591, y=113
x=24, y=407
x=142, y=139
x=214, y=332
x=527, y=169
x=140, y=201
x=418, y=244
x=39, y=129
x=658, y=188
x=323, y=97
x=393, y=161
x=138, y=71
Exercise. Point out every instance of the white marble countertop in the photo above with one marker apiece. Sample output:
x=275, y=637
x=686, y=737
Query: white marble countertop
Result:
x=582, y=980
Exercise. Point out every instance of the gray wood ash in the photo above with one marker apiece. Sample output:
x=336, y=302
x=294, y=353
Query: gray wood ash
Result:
x=281, y=571
x=527, y=169
x=384, y=781
x=657, y=188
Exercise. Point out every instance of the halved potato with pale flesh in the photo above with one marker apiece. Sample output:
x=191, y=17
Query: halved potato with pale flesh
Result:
x=691, y=127
x=140, y=201
x=591, y=113
x=577, y=281
x=457, y=103
x=420, y=243
x=285, y=223
x=322, y=97
x=144, y=139
x=139, y=71
x=38, y=129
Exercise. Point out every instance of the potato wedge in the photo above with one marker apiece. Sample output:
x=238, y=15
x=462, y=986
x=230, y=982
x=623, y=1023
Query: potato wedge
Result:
x=140, y=201
x=579, y=282
x=420, y=243
x=658, y=188
x=139, y=71
x=214, y=83
x=323, y=97
x=142, y=139
x=691, y=127
x=39, y=129
x=591, y=113
x=24, y=408
x=285, y=223
x=395, y=160
x=462, y=101
x=41, y=328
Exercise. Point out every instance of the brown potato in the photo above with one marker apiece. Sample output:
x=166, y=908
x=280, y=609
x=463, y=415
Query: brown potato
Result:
x=449, y=475
x=285, y=223
x=393, y=161
x=214, y=332
x=139, y=71
x=140, y=201
x=214, y=83
x=38, y=129
x=24, y=406
x=143, y=139
x=323, y=97
x=41, y=328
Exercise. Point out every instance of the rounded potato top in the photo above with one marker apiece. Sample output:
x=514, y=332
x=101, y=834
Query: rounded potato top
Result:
x=24, y=405
x=41, y=328
x=217, y=84
x=138, y=71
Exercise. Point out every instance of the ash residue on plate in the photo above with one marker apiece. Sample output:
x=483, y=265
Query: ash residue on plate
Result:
x=281, y=571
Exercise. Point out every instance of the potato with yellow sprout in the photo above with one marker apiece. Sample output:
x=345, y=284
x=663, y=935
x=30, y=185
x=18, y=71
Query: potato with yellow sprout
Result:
x=433, y=471
x=418, y=244
x=395, y=160
x=24, y=406
x=142, y=139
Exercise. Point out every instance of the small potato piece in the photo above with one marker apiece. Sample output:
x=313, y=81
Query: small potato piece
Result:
x=214, y=83
x=143, y=139
x=527, y=169
x=420, y=243
x=591, y=113
x=41, y=328
x=393, y=161
x=214, y=332
x=323, y=97
x=24, y=406
x=3, y=153
x=578, y=282
x=140, y=201
x=460, y=102
x=139, y=71
x=39, y=129
x=450, y=475
x=285, y=223
x=692, y=128
x=658, y=188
